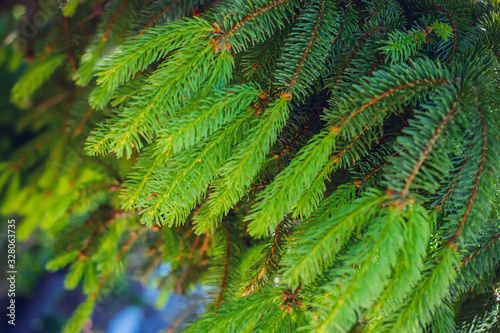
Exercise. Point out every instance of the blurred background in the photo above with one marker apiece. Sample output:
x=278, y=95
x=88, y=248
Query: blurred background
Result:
x=43, y=173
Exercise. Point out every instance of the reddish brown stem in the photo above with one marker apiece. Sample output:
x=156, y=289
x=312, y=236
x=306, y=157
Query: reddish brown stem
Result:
x=396, y=89
x=93, y=235
x=154, y=248
x=363, y=179
x=251, y=16
x=340, y=29
x=375, y=65
x=375, y=12
x=308, y=48
x=79, y=128
x=134, y=235
x=302, y=132
x=39, y=144
x=477, y=181
x=69, y=51
x=179, y=320
x=450, y=188
x=156, y=17
x=256, y=65
x=150, y=268
x=482, y=248
x=272, y=254
x=425, y=153
x=193, y=247
x=350, y=56
x=97, y=10
x=113, y=20
x=178, y=285
x=226, y=267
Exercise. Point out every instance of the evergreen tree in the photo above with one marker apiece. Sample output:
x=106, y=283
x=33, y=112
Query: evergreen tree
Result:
x=323, y=165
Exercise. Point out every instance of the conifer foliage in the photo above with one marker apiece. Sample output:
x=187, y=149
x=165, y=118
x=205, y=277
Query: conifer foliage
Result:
x=322, y=165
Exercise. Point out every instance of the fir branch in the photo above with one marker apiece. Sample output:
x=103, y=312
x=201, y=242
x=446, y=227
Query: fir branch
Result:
x=350, y=55
x=157, y=260
x=374, y=260
x=251, y=16
x=390, y=92
x=212, y=154
x=271, y=258
x=34, y=77
x=419, y=308
x=154, y=43
x=439, y=8
x=181, y=318
x=88, y=242
x=113, y=20
x=239, y=172
x=86, y=117
x=69, y=50
x=454, y=182
x=479, y=250
x=477, y=180
x=134, y=235
x=306, y=127
x=298, y=68
x=320, y=241
x=307, y=49
x=198, y=104
x=341, y=29
x=226, y=268
x=428, y=148
x=157, y=16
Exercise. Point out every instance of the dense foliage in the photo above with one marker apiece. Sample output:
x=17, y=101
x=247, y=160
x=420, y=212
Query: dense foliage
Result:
x=322, y=165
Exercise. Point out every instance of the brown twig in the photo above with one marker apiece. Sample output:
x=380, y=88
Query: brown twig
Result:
x=153, y=264
x=251, y=16
x=69, y=51
x=180, y=281
x=193, y=247
x=450, y=188
x=358, y=182
x=93, y=235
x=308, y=48
x=341, y=29
x=97, y=10
x=226, y=267
x=181, y=318
x=388, y=93
x=425, y=153
x=79, y=128
x=134, y=235
x=39, y=144
x=154, y=248
x=477, y=180
x=272, y=254
x=302, y=132
x=113, y=20
x=480, y=249
x=156, y=17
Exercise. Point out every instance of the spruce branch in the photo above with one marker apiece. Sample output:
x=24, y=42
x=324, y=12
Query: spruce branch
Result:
x=477, y=180
x=226, y=268
x=428, y=148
